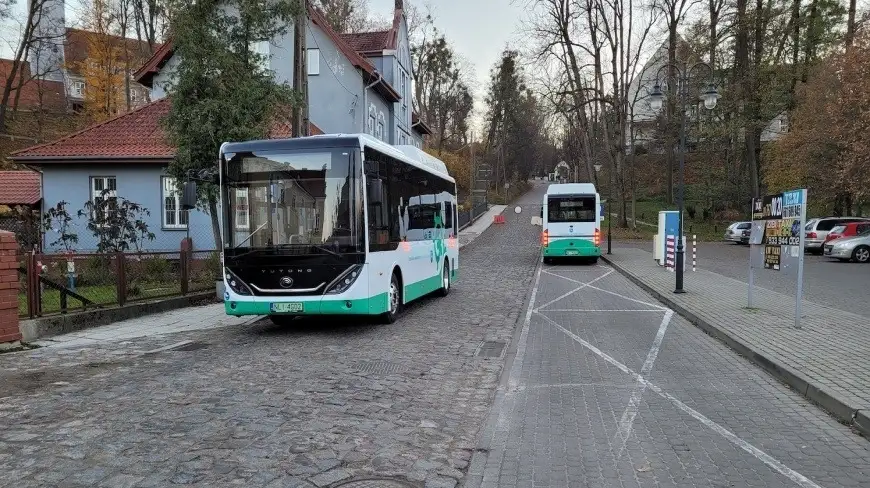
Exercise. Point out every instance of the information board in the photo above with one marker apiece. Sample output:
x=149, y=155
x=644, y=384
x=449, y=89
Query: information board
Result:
x=777, y=239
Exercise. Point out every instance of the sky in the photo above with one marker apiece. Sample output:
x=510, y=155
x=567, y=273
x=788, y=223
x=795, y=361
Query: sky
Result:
x=479, y=31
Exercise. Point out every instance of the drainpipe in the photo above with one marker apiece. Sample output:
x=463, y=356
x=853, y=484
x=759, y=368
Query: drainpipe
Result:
x=365, y=116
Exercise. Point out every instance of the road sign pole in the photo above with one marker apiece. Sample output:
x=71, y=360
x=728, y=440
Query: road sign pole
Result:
x=800, y=279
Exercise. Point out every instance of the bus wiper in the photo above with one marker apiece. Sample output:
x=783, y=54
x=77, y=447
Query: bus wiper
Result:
x=325, y=249
x=252, y=234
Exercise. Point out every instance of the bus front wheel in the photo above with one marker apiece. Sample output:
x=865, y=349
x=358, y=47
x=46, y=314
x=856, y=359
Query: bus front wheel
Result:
x=445, y=281
x=394, y=301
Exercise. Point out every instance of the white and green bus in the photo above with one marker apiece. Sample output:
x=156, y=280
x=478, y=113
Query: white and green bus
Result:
x=334, y=225
x=571, y=222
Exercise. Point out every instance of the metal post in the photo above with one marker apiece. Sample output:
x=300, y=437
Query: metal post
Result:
x=694, y=252
x=609, y=208
x=680, y=258
x=800, y=283
x=473, y=176
x=751, y=269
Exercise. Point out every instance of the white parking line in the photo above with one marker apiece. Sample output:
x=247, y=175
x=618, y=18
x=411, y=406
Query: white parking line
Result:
x=762, y=456
x=657, y=310
x=575, y=290
x=589, y=285
x=626, y=422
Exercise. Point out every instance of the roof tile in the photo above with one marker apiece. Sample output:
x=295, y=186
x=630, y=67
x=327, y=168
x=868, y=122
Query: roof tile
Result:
x=136, y=134
x=367, y=42
x=19, y=187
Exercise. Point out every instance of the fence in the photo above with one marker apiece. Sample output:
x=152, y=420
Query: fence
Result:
x=26, y=230
x=60, y=283
x=466, y=216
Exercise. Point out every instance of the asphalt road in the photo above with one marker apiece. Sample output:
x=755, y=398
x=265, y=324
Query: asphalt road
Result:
x=845, y=286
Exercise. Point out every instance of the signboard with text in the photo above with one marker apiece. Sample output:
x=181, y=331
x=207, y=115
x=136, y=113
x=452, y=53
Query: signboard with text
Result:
x=777, y=239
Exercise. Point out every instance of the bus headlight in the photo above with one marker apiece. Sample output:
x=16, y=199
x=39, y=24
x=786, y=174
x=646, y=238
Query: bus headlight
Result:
x=236, y=284
x=344, y=280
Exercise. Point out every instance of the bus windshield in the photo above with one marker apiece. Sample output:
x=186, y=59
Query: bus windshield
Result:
x=571, y=208
x=292, y=202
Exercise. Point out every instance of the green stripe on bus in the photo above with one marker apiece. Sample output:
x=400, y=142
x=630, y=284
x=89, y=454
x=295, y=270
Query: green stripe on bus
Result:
x=365, y=306
x=421, y=288
x=561, y=247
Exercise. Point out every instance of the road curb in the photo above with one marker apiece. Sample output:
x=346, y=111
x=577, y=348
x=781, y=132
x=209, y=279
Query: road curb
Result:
x=829, y=401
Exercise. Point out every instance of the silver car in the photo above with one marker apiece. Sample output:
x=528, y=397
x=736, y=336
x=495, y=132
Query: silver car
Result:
x=817, y=230
x=855, y=248
x=736, y=232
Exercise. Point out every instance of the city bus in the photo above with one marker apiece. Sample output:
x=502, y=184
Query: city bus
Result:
x=334, y=225
x=571, y=222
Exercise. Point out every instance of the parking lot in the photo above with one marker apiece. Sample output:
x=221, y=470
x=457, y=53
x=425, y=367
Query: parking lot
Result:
x=826, y=281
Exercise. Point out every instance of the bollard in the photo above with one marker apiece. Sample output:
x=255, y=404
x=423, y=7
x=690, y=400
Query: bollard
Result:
x=694, y=251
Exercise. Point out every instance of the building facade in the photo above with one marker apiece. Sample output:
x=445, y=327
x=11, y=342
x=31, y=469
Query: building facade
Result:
x=128, y=156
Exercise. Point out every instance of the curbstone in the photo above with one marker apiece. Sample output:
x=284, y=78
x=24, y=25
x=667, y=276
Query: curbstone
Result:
x=830, y=402
x=862, y=422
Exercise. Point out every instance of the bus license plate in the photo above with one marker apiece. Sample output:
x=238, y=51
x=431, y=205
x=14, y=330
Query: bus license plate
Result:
x=572, y=252
x=292, y=307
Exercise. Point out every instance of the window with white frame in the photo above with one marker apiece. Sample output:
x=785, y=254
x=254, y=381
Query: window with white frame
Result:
x=104, y=195
x=371, y=123
x=783, y=125
x=241, y=218
x=174, y=217
x=313, y=62
x=78, y=88
x=382, y=123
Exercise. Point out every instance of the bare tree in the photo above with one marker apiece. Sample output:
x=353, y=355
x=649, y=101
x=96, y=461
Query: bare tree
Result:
x=32, y=42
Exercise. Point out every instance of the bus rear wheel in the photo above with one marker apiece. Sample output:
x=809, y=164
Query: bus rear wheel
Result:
x=394, y=301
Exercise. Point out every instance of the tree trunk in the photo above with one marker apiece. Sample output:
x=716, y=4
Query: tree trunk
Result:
x=796, y=49
x=850, y=25
x=810, y=47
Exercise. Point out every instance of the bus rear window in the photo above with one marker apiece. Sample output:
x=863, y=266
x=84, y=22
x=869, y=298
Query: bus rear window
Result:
x=574, y=208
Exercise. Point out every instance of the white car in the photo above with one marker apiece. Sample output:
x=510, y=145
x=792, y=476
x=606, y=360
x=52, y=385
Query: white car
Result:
x=736, y=232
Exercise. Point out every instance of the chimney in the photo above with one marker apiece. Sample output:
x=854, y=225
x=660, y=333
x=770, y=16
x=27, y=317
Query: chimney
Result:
x=400, y=5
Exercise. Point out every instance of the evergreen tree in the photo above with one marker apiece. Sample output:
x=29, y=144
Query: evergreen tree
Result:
x=221, y=91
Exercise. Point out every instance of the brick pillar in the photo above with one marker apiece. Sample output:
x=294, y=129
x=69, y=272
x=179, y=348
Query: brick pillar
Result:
x=9, y=331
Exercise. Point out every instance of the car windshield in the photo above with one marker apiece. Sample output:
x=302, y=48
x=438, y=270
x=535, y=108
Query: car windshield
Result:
x=292, y=201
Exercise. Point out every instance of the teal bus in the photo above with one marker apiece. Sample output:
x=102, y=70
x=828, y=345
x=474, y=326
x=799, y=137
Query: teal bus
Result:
x=334, y=225
x=571, y=222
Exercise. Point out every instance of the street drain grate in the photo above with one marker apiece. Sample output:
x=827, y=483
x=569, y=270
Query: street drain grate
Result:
x=374, y=483
x=381, y=367
x=491, y=349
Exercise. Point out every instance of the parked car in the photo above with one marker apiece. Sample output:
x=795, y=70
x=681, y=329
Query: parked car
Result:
x=738, y=232
x=850, y=248
x=817, y=230
x=850, y=229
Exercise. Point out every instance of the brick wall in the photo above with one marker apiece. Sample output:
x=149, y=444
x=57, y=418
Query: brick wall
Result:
x=9, y=331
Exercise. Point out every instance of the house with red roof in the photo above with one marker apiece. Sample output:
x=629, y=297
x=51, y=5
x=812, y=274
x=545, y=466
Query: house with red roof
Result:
x=358, y=83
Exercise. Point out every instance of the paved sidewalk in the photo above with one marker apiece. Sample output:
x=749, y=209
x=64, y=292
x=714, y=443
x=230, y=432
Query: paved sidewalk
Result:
x=203, y=317
x=827, y=360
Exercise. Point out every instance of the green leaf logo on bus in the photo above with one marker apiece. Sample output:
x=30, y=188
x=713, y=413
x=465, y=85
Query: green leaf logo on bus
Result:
x=439, y=248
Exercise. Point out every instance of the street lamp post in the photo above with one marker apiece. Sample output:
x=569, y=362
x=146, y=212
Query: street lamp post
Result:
x=709, y=96
x=609, y=214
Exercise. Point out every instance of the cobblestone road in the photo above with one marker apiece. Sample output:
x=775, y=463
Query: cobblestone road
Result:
x=302, y=406
x=609, y=388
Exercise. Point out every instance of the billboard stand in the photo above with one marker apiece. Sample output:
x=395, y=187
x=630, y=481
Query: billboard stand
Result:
x=777, y=239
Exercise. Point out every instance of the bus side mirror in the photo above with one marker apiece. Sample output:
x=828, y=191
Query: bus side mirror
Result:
x=188, y=195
